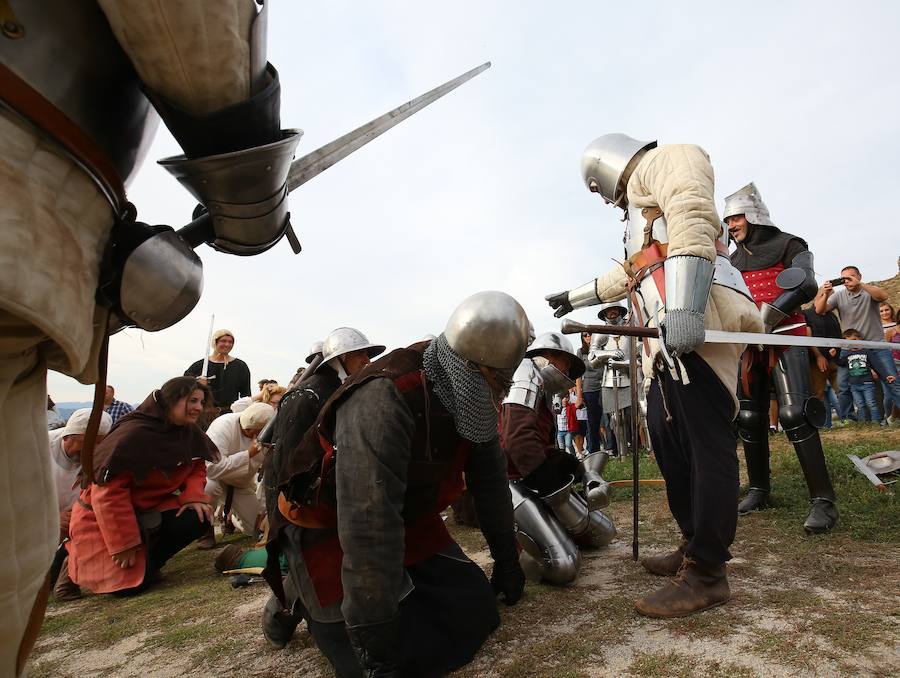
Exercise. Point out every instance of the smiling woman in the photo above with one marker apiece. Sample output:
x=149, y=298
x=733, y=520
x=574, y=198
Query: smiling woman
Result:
x=148, y=501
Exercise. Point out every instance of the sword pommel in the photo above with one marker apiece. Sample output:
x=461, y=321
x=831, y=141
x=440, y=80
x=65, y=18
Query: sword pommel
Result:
x=572, y=327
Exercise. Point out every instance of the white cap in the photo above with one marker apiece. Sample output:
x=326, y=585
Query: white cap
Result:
x=256, y=416
x=78, y=423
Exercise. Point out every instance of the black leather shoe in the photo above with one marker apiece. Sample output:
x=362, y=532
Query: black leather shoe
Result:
x=756, y=500
x=823, y=515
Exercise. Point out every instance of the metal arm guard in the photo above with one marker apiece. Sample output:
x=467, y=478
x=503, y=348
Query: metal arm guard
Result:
x=584, y=295
x=543, y=538
x=688, y=281
x=236, y=164
x=596, y=489
x=799, y=285
x=572, y=511
x=526, y=385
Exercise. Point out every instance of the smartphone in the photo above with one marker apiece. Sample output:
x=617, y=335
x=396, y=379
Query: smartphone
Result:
x=837, y=281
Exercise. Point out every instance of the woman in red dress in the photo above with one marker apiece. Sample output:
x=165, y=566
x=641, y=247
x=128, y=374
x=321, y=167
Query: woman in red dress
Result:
x=147, y=502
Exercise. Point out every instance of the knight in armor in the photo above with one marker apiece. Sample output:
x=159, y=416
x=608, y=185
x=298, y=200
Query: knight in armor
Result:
x=76, y=83
x=552, y=519
x=613, y=355
x=778, y=268
x=384, y=588
x=344, y=352
x=678, y=273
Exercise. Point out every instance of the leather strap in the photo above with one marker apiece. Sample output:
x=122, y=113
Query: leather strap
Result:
x=19, y=96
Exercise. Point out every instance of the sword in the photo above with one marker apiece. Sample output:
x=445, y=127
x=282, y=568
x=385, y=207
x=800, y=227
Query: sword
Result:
x=723, y=337
x=212, y=320
x=635, y=451
x=312, y=164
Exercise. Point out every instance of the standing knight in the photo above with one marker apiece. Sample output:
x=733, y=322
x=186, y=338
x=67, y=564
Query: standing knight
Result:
x=76, y=82
x=614, y=355
x=677, y=268
x=778, y=268
x=552, y=519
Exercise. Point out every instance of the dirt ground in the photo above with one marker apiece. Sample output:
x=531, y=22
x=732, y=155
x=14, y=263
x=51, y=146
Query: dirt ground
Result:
x=802, y=606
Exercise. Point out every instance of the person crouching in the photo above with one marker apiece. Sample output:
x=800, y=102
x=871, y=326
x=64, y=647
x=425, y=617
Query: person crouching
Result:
x=147, y=501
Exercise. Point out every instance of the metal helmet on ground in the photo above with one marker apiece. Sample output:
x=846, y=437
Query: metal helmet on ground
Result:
x=607, y=163
x=603, y=308
x=556, y=342
x=749, y=202
x=314, y=350
x=345, y=340
x=489, y=328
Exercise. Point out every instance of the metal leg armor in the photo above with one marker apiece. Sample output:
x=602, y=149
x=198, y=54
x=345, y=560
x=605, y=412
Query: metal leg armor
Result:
x=595, y=487
x=590, y=528
x=802, y=416
x=549, y=551
x=753, y=430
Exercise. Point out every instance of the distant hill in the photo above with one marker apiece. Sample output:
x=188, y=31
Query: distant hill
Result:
x=892, y=287
x=65, y=409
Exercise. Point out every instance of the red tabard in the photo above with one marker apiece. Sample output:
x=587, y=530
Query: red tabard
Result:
x=765, y=291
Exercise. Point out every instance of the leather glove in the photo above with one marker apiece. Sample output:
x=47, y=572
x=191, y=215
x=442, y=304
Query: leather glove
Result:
x=508, y=581
x=376, y=647
x=683, y=331
x=560, y=303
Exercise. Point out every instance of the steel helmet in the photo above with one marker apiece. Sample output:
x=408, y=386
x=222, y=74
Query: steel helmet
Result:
x=607, y=164
x=489, y=328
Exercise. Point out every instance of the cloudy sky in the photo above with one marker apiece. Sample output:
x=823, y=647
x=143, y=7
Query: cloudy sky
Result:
x=482, y=189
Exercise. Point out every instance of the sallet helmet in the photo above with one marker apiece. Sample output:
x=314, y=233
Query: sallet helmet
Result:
x=607, y=164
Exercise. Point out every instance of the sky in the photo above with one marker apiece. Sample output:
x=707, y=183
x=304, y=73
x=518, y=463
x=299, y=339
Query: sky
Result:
x=482, y=189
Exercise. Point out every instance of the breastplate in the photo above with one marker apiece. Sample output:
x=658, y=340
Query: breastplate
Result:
x=649, y=294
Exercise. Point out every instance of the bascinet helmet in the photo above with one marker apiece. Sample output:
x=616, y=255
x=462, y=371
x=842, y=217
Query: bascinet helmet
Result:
x=489, y=328
x=749, y=202
x=607, y=164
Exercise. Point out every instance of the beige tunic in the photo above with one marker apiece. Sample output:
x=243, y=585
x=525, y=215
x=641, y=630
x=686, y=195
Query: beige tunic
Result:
x=679, y=179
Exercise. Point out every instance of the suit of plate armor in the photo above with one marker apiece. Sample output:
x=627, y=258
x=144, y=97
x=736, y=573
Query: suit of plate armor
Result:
x=779, y=270
x=613, y=354
x=552, y=519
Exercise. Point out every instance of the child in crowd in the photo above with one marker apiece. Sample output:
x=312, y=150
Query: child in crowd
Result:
x=563, y=432
x=862, y=378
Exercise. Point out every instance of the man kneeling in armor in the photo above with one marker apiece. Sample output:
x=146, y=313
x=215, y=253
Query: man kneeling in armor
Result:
x=384, y=588
x=552, y=519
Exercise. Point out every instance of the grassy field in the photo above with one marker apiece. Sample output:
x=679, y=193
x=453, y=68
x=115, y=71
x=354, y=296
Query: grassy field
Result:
x=807, y=606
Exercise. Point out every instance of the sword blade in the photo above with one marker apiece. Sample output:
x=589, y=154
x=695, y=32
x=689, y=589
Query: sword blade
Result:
x=723, y=337
x=312, y=164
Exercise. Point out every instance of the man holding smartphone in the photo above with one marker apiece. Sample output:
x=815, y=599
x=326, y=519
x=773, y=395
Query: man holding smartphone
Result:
x=857, y=303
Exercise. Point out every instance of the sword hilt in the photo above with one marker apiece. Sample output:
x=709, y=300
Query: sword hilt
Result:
x=573, y=327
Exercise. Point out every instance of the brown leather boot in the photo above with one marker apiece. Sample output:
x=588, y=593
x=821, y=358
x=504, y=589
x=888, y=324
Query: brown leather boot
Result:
x=665, y=564
x=695, y=588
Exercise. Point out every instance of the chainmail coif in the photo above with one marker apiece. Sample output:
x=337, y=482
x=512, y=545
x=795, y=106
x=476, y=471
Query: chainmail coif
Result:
x=462, y=390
